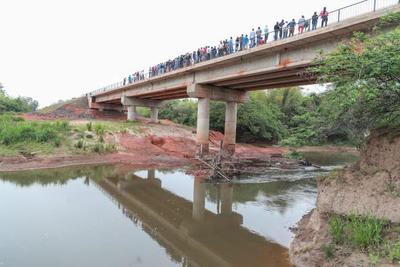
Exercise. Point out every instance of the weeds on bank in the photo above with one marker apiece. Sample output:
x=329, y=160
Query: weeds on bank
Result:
x=18, y=135
x=357, y=231
x=94, y=142
x=365, y=233
x=329, y=250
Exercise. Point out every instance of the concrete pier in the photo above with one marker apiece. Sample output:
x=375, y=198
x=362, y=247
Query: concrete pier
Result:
x=203, y=125
x=154, y=114
x=132, y=113
x=230, y=128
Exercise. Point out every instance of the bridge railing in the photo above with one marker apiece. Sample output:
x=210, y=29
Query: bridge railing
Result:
x=335, y=16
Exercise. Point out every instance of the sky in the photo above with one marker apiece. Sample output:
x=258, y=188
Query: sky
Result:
x=55, y=49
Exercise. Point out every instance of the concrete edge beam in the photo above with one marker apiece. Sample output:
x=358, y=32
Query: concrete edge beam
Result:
x=132, y=101
x=216, y=93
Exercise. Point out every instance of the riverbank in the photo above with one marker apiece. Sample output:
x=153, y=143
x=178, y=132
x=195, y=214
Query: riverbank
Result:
x=141, y=144
x=357, y=218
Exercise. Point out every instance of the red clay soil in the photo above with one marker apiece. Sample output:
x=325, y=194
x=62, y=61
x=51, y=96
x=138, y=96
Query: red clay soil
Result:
x=141, y=152
x=134, y=151
x=164, y=146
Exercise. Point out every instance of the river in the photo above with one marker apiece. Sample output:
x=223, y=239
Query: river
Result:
x=116, y=216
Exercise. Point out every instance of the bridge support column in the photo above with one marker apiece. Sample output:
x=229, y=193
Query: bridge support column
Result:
x=230, y=128
x=203, y=125
x=132, y=113
x=154, y=114
x=132, y=103
x=205, y=93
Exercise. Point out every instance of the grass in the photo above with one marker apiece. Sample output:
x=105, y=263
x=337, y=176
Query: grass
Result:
x=109, y=126
x=365, y=233
x=336, y=226
x=394, y=253
x=329, y=250
x=19, y=136
x=358, y=231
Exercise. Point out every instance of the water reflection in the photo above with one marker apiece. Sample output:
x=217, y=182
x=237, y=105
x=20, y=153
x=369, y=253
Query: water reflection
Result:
x=191, y=233
x=193, y=222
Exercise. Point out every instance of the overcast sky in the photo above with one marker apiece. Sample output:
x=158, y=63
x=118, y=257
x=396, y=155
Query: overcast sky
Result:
x=53, y=49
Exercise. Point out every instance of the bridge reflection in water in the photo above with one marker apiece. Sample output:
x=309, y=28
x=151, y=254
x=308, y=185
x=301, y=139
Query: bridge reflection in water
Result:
x=187, y=230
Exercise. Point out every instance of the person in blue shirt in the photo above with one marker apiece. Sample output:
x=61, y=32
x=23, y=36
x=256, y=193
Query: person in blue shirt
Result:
x=245, y=41
x=292, y=25
x=314, y=21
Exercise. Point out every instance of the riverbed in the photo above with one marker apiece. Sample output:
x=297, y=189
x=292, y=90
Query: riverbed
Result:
x=117, y=216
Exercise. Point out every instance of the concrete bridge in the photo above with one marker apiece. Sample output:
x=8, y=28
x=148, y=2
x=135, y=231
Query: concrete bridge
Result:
x=187, y=229
x=277, y=64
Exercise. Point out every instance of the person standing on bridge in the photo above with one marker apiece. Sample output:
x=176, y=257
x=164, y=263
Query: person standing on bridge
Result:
x=230, y=45
x=281, y=25
x=266, y=33
x=314, y=21
x=301, y=23
x=237, y=44
x=259, y=35
x=276, y=31
x=292, y=25
x=285, y=30
x=245, y=41
x=252, y=38
x=324, y=16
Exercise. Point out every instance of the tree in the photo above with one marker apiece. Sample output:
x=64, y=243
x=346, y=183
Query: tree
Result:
x=19, y=104
x=365, y=74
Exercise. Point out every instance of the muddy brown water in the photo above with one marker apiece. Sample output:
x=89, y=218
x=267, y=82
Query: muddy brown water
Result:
x=115, y=216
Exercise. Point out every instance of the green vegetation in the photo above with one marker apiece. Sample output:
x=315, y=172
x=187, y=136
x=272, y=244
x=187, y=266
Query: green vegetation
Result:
x=329, y=250
x=365, y=75
x=366, y=233
x=357, y=231
x=16, y=133
x=18, y=136
x=19, y=104
x=284, y=116
x=394, y=253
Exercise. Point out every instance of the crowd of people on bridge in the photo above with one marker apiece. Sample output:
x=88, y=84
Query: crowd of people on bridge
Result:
x=281, y=30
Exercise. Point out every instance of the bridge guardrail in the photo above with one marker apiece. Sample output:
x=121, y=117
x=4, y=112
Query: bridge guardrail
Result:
x=334, y=16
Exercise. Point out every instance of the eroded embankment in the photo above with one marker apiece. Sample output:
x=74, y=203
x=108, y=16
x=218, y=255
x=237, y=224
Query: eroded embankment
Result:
x=371, y=189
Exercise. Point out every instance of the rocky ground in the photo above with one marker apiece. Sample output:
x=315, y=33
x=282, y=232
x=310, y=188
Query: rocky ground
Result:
x=370, y=188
